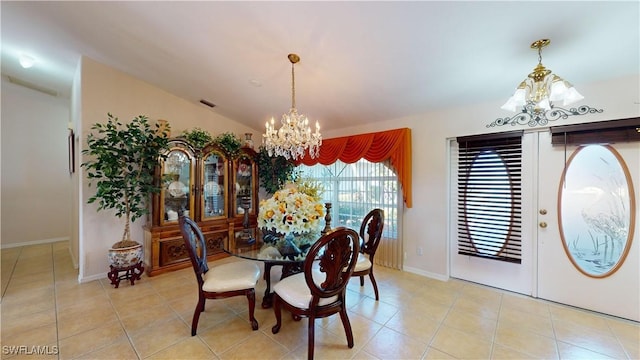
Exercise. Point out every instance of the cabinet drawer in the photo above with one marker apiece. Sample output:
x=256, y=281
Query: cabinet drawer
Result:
x=173, y=251
x=215, y=241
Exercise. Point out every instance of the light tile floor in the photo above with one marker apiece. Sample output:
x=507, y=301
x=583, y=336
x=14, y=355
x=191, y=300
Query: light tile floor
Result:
x=417, y=318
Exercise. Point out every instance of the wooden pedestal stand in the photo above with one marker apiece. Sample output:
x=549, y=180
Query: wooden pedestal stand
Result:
x=131, y=273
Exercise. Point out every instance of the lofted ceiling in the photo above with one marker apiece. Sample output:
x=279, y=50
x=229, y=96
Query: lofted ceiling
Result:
x=360, y=61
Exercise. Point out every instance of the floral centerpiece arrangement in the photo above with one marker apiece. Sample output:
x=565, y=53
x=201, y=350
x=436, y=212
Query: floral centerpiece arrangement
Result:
x=291, y=220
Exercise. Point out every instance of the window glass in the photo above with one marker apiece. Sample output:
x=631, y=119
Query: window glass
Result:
x=355, y=189
x=488, y=229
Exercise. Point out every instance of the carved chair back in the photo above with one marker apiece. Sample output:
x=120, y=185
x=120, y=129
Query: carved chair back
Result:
x=336, y=252
x=371, y=232
x=196, y=246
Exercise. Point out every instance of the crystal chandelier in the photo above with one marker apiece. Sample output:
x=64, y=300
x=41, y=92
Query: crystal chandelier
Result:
x=541, y=88
x=294, y=137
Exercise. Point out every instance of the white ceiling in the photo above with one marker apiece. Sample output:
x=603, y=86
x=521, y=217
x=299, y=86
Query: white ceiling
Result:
x=361, y=61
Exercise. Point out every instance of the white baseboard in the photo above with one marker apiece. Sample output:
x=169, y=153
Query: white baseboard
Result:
x=95, y=277
x=74, y=261
x=425, y=273
x=34, y=242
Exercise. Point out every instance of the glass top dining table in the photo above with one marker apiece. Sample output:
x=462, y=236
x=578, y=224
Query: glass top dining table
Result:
x=275, y=250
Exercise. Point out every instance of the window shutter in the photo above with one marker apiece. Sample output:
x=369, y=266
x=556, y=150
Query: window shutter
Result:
x=601, y=132
x=490, y=196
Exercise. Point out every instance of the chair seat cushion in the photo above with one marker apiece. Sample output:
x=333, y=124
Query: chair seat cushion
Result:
x=237, y=275
x=363, y=263
x=294, y=290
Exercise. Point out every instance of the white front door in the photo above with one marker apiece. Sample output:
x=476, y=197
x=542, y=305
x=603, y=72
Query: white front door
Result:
x=586, y=257
x=505, y=275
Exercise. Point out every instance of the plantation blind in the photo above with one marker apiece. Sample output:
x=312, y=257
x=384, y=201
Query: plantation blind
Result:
x=489, y=192
x=612, y=131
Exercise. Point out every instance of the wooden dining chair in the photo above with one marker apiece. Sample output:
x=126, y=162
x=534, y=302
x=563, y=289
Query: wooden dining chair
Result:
x=222, y=281
x=370, y=234
x=320, y=290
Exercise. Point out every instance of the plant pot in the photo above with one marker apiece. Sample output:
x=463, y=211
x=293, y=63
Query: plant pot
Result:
x=125, y=257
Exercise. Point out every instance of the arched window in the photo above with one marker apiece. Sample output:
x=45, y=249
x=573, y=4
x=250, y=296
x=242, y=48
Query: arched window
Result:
x=357, y=188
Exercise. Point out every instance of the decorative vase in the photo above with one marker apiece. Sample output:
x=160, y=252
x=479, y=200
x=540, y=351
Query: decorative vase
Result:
x=247, y=140
x=270, y=237
x=287, y=247
x=122, y=258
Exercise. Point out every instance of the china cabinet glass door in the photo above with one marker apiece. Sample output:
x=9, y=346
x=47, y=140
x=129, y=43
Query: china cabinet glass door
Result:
x=214, y=172
x=176, y=196
x=244, y=200
x=245, y=180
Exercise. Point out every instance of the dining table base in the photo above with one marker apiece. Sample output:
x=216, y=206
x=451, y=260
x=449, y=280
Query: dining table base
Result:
x=288, y=268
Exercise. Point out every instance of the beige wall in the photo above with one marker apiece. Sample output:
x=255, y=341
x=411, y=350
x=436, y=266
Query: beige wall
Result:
x=426, y=224
x=36, y=193
x=104, y=90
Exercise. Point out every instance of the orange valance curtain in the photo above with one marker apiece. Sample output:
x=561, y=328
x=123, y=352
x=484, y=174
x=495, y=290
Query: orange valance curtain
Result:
x=394, y=145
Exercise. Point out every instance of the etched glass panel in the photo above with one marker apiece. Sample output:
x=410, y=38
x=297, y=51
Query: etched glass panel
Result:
x=595, y=210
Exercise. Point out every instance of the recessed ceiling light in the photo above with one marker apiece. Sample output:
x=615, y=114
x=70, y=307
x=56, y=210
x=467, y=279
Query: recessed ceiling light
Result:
x=26, y=61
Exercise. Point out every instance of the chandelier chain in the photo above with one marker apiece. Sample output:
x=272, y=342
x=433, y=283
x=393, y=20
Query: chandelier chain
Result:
x=540, y=55
x=293, y=86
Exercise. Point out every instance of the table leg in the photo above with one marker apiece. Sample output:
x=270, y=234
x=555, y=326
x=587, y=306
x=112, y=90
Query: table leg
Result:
x=291, y=269
x=288, y=269
x=267, y=299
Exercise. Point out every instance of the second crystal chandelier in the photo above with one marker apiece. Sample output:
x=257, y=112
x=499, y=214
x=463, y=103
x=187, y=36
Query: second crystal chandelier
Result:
x=294, y=137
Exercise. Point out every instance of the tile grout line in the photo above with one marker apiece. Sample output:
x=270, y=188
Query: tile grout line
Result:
x=55, y=300
x=165, y=302
x=126, y=333
x=440, y=324
x=553, y=328
x=13, y=268
x=495, y=331
x=615, y=334
x=382, y=326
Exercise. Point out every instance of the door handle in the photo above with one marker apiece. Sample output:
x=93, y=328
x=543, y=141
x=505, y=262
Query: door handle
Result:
x=543, y=224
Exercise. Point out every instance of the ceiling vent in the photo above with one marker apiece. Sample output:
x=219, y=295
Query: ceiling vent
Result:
x=208, y=103
x=32, y=86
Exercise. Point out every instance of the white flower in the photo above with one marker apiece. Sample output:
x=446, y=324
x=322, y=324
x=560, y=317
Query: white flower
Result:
x=290, y=211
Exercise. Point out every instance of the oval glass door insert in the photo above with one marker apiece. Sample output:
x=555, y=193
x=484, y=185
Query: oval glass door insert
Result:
x=596, y=210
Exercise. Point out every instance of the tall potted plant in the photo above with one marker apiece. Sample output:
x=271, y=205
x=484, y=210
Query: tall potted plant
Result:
x=122, y=159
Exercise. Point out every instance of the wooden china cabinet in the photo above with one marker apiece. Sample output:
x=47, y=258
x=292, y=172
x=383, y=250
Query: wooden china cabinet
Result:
x=215, y=191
